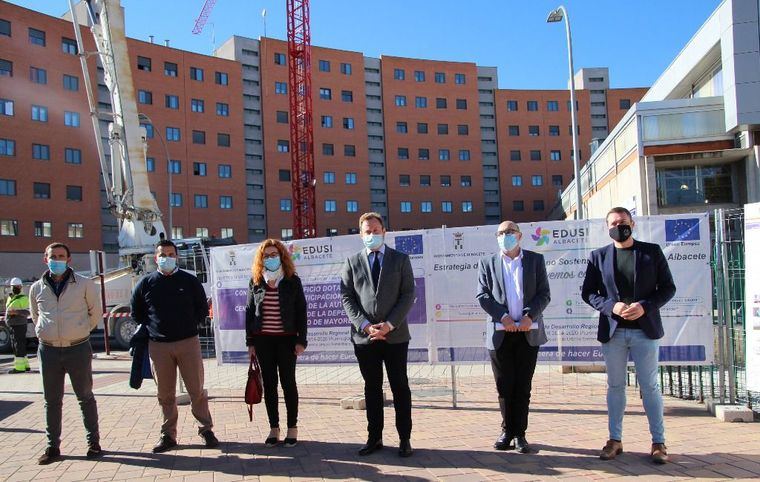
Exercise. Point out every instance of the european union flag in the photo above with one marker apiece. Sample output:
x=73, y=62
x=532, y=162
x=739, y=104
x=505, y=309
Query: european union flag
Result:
x=409, y=244
x=682, y=229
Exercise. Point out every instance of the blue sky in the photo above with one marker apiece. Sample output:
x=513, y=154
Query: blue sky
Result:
x=636, y=39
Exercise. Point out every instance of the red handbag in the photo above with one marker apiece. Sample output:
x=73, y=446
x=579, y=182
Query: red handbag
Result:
x=254, y=387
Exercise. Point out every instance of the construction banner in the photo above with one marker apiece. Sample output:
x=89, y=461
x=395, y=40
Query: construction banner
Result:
x=447, y=324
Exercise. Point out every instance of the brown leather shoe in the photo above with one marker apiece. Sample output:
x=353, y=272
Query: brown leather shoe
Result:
x=659, y=454
x=611, y=450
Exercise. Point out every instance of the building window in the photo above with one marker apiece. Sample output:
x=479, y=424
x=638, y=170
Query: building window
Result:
x=518, y=205
x=173, y=134
x=196, y=74
x=36, y=37
x=177, y=232
x=71, y=119
x=200, y=201
x=444, y=155
x=346, y=96
x=201, y=232
x=440, y=77
x=419, y=76
x=349, y=150
x=328, y=177
x=144, y=97
x=512, y=106
x=6, y=68
x=443, y=129
x=71, y=82
x=445, y=180
x=404, y=180
x=222, y=109
x=281, y=88
x=350, y=178
x=328, y=149
x=199, y=169
x=426, y=207
x=552, y=105
x=535, y=155
x=464, y=154
x=170, y=69
x=462, y=104
x=466, y=206
x=422, y=128
x=538, y=205
x=423, y=154
x=7, y=147
x=72, y=156
x=446, y=206
x=514, y=130
x=555, y=155
x=345, y=68
x=73, y=193
x=226, y=232
x=7, y=187
x=465, y=181
x=280, y=59
x=570, y=130
x=401, y=127
x=8, y=227
x=398, y=74
x=171, y=101
x=150, y=164
x=557, y=181
x=327, y=121
x=625, y=104
x=222, y=139
x=460, y=79
x=225, y=202
x=37, y=75
x=694, y=185
x=420, y=102
x=440, y=103
x=325, y=93
x=283, y=145
x=463, y=129
x=43, y=229
x=281, y=117
x=143, y=63
x=286, y=234
x=403, y=153
x=352, y=206
x=41, y=152
x=6, y=107
x=406, y=206
x=331, y=205
x=41, y=190
x=533, y=131
x=401, y=101
x=175, y=199
x=348, y=123
x=425, y=180
x=224, y=171
x=517, y=181
x=175, y=166
x=286, y=205
x=221, y=78
x=537, y=180
x=5, y=27
x=39, y=113
x=284, y=175
x=532, y=106
x=553, y=130
x=197, y=105
x=324, y=65
x=199, y=137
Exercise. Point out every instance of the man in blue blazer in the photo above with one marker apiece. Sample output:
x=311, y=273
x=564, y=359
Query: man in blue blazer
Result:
x=513, y=290
x=628, y=282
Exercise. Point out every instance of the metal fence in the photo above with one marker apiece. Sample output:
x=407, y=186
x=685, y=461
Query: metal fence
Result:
x=725, y=380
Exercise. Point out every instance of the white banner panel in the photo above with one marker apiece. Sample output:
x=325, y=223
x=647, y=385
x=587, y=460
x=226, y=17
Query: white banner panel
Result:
x=447, y=324
x=752, y=287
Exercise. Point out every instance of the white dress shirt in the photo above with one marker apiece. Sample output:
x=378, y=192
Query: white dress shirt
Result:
x=512, y=269
x=371, y=258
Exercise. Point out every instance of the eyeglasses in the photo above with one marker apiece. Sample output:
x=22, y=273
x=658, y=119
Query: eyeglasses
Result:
x=507, y=231
x=271, y=255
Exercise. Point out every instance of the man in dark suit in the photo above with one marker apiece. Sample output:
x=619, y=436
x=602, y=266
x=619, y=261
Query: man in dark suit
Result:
x=628, y=282
x=377, y=289
x=513, y=289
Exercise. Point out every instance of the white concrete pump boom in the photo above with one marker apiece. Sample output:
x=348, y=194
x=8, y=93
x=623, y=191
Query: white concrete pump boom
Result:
x=128, y=191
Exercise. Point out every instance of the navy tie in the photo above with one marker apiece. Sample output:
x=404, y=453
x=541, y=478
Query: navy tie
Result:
x=376, y=270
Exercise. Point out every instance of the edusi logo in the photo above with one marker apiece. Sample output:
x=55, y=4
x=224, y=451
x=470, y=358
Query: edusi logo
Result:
x=295, y=251
x=541, y=237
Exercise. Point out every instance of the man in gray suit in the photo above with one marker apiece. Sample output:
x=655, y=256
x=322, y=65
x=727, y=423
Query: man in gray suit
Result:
x=377, y=289
x=513, y=289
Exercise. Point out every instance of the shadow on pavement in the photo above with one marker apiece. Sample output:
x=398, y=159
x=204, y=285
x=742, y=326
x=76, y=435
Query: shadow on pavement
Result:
x=11, y=407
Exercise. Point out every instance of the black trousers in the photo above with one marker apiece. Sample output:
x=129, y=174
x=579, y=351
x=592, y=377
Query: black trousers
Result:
x=19, y=340
x=513, y=366
x=371, y=358
x=276, y=354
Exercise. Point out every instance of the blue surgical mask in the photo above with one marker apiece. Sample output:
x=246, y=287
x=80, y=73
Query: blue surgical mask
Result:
x=272, y=264
x=57, y=267
x=507, y=242
x=167, y=263
x=373, y=241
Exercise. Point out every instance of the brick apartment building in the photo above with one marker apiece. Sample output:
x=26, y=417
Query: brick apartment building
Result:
x=423, y=142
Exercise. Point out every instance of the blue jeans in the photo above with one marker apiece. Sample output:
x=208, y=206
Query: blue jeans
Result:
x=645, y=354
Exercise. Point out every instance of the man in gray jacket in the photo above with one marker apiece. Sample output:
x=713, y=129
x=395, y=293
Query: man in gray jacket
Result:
x=65, y=308
x=513, y=290
x=377, y=289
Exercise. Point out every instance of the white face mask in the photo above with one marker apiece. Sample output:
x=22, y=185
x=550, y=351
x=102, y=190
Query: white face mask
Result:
x=508, y=242
x=373, y=241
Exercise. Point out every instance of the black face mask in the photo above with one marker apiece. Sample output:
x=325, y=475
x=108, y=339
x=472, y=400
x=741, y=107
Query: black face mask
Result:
x=620, y=233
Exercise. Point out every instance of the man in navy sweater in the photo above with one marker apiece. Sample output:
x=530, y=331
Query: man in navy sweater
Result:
x=171, y=303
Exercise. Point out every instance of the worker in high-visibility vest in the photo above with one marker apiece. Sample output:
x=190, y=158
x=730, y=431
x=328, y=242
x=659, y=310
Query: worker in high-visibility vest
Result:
x=16, y=314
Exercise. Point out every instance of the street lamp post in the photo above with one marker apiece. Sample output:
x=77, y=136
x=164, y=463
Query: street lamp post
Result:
x=143, y=117
x=557, y=15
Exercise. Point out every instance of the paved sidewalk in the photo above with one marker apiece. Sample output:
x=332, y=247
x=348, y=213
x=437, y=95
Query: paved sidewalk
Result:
x=567, y=426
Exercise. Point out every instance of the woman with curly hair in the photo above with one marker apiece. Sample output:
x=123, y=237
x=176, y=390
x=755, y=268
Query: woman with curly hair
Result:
x=275, y=326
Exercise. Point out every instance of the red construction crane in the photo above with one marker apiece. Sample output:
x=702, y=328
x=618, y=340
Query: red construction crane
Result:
x=200, y=22
x=301, y=120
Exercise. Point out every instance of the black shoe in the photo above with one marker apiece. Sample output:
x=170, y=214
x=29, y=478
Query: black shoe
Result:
x=13, y=370
x=165, y=443
x=49, y=456
x=94, y=451
x=504, y=442
x=210, y=439
x=522, y=445
x=371, y=446
x=405, y=448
